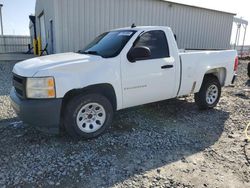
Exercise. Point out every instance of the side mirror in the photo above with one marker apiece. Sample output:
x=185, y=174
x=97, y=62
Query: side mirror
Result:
x=138, y=53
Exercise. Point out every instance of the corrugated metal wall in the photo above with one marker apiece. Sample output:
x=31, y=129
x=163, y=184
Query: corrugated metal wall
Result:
x=77, y=22
x=12, y=43
x=48, y=8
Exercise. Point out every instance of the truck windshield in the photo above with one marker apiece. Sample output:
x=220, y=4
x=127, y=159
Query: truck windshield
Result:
x=109, y=44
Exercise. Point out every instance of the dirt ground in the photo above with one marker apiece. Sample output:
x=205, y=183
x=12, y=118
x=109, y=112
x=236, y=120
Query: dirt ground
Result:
x=165, y=144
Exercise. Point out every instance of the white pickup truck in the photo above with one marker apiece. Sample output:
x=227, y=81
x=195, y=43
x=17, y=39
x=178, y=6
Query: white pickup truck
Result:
x=119, y=69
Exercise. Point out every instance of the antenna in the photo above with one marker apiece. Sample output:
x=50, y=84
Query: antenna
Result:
x=133, y=25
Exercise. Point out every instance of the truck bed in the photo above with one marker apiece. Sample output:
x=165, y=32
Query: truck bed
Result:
x=195, y=64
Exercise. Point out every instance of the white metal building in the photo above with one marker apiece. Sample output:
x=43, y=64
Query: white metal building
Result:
x=68, y=25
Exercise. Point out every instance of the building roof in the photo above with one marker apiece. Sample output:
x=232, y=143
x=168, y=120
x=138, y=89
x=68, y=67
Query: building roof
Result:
x=189, y=5
x=196, y=6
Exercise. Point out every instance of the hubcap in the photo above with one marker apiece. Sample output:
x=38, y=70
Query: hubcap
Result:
x=91, y=117
x=212, y=94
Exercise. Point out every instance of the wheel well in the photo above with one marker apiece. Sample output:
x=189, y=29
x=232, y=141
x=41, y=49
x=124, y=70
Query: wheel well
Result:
x=219, y=73
x=106, y=90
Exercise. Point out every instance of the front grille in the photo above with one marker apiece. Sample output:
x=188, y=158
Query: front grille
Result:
x=19, y=84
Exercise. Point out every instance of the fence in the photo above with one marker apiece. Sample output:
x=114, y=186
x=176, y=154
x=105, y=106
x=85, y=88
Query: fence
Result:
x=13, y=43
x=245, y=51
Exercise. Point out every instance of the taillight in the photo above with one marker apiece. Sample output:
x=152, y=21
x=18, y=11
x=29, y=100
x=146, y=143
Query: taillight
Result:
x=236, y=64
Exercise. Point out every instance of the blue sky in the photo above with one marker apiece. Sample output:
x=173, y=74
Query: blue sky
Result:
x=16, y=16
x=16, y=12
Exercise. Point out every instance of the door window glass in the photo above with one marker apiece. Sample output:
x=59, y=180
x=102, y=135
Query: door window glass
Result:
x=156, y=41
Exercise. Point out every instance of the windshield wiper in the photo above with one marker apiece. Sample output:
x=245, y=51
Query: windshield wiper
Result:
x=91, y=53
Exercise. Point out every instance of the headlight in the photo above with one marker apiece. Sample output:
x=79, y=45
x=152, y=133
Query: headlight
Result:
x=40, y=88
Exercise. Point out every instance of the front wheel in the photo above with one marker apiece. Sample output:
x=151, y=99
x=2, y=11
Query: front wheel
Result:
x=87, y=116
x=209, y=94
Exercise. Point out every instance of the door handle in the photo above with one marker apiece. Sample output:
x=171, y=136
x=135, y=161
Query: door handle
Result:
x=167, y=66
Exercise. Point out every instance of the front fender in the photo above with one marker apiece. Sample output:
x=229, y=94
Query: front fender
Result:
x=75, y=76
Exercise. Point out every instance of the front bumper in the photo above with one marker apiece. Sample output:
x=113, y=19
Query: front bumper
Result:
x=42, y=114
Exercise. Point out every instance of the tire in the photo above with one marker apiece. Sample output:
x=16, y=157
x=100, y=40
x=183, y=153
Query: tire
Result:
x=248, y=69
x=209, y=94
x=87, y=116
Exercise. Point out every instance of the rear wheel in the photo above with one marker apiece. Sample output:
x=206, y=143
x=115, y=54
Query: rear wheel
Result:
x=209, y=94
x=87, y=116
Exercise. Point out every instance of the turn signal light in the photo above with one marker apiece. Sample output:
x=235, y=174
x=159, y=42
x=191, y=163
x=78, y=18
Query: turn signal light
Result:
x=51, y=93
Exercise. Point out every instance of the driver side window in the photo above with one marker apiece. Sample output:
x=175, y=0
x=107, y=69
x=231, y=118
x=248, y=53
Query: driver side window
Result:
x=156, y=41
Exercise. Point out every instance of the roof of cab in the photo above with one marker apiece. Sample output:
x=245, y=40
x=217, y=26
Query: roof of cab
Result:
x=138, y=28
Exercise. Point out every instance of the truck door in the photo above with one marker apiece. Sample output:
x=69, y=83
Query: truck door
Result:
x=151, y=79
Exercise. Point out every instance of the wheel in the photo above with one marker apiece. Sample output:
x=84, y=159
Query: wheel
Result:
x=87, y=116
x=209, y=94
x=248, y=69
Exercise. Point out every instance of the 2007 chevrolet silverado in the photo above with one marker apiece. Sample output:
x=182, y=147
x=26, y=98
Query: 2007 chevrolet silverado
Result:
x=119, y=69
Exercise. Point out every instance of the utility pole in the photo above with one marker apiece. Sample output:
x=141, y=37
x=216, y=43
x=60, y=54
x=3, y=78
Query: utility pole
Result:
x=1, y=19
x=244, y=38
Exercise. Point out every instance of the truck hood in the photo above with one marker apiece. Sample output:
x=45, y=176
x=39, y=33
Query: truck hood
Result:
x=29, y=68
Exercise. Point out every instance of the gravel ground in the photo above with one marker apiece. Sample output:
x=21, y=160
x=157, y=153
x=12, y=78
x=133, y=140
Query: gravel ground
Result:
x=166, y=144
x=6, y=112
